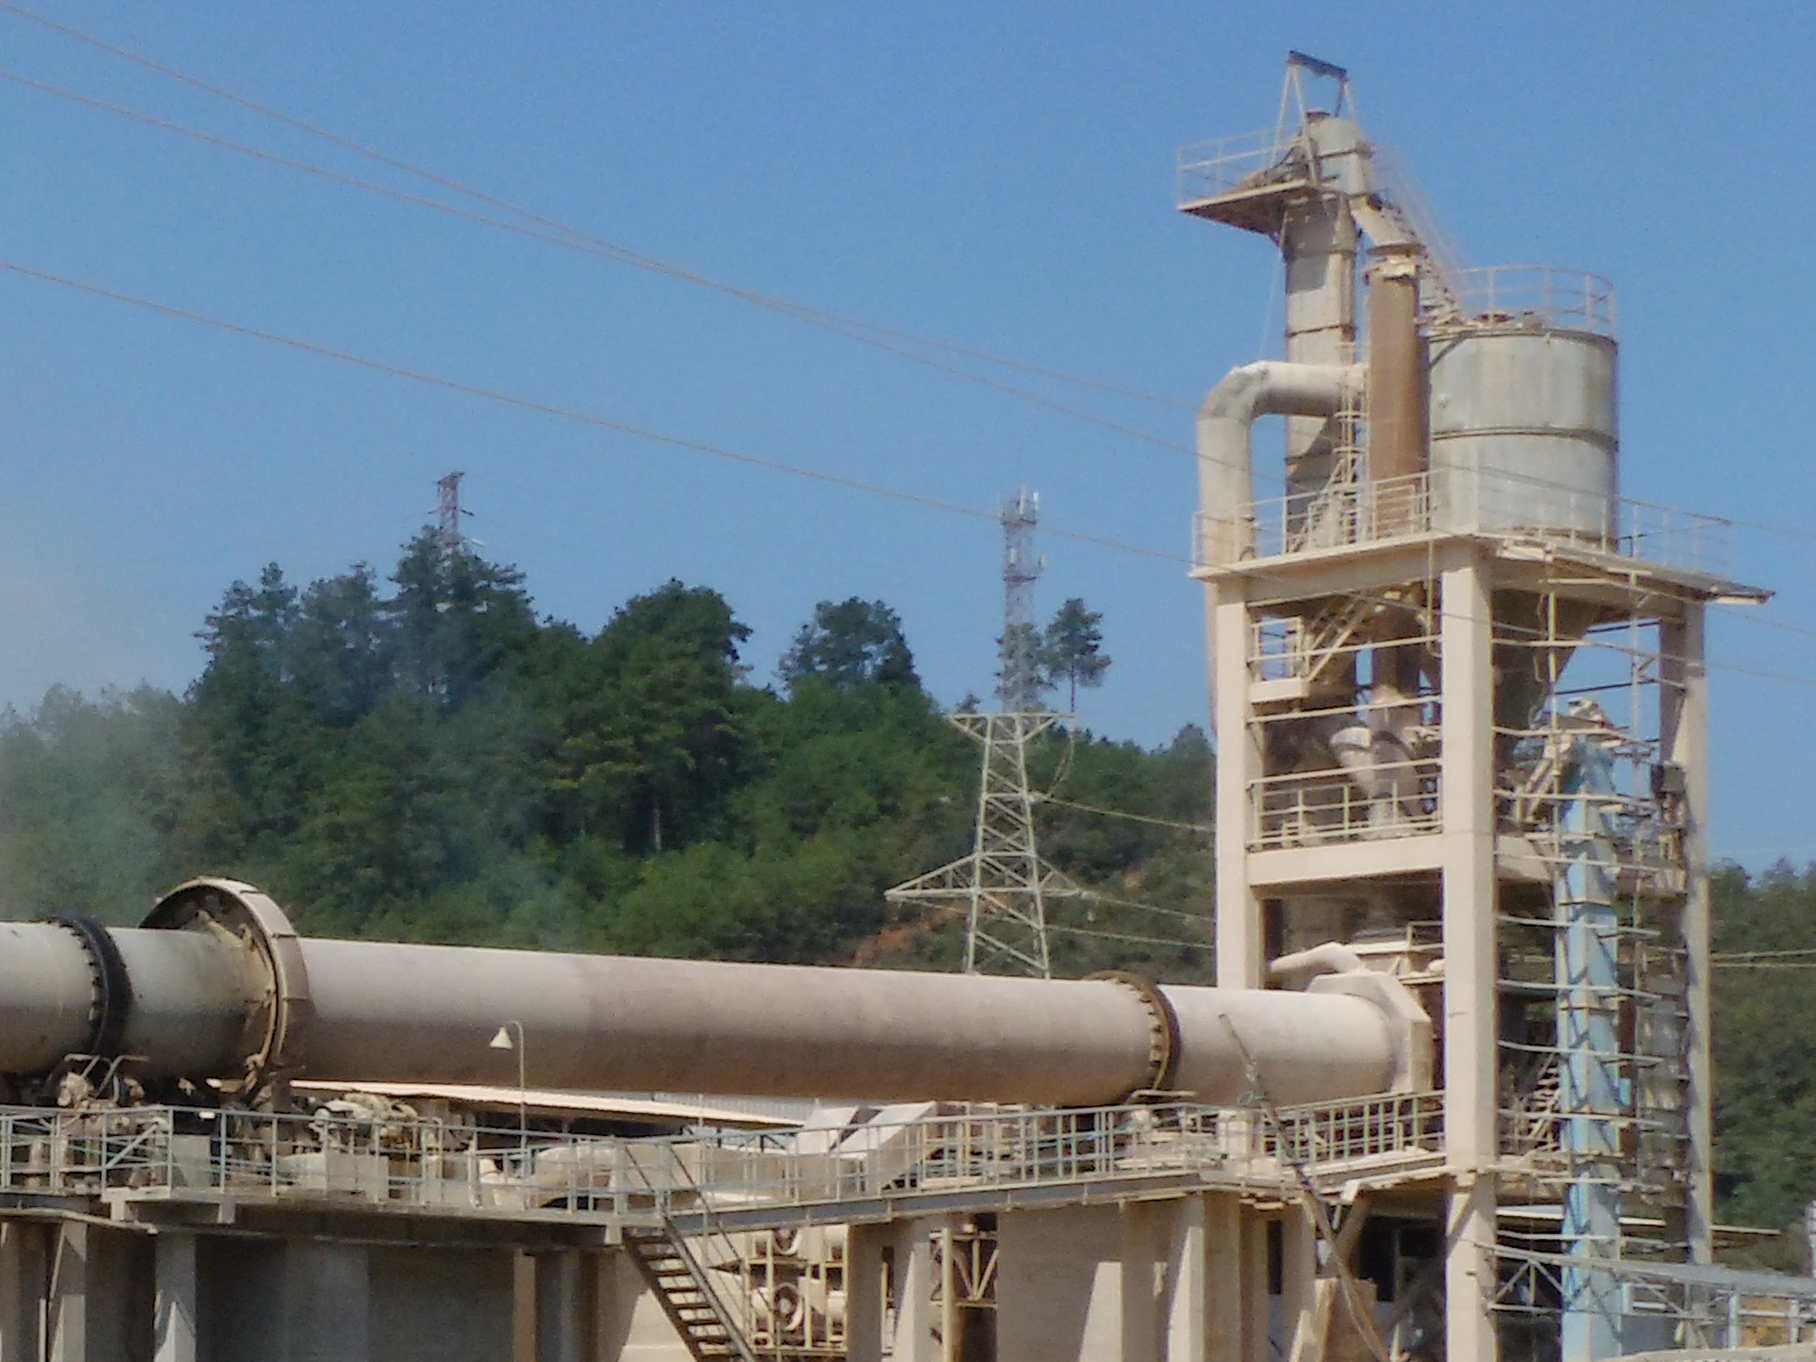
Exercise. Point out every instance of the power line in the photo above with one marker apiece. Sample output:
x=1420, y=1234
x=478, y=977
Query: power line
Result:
x=802, y=311
x=720, y=451
x=1136, y=940
x=567, y=413
x=574, y=240
x=1132, y=817
x=1198, y=919
x=572, y=236
x=1748, y=613
x=1741, y=957
x=1764, y=964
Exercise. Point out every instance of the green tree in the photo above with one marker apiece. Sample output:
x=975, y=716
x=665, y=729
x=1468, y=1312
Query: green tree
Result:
x=1072, y=649
x=1764, y=1047
x=248, y=731
x=339, y=647
x=454, y=620
x=848, y=643
x=649, y=716
x=90, y=793
x=1022, y=678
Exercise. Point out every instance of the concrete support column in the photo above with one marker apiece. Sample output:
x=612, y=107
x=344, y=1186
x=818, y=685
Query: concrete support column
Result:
x=68, y=1316
x=1062, y=1285
x=1239, y=936
x=22, y=1281
x=1684, y=701
x=523, y=1308
x=1147, y=1279
x=911, y=1244
x=174, y=1320
x=1298, y=1275
x=1470, y=1086
x=1228, y=1292
x=865, y=1292
x=1257, y=1302
x=566, y=1299
x=326, y=1302
x=1188, y=1283
x=630, y=1323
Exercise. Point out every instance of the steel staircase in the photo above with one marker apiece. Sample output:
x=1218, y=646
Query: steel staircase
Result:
x=681, y=1285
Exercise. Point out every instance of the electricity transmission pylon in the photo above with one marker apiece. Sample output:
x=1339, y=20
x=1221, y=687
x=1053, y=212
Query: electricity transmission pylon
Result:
x=1003, y=886
x=448, y=535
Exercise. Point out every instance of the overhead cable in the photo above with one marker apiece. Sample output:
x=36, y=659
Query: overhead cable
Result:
x=1132, y=817
x=801, y=311
x=571, y=413
x=721, y=452
x=1135, y=940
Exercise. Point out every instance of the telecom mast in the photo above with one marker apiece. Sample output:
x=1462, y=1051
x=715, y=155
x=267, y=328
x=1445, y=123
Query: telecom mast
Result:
x=1018, y=682
x=1004, y=886
x=447, y=515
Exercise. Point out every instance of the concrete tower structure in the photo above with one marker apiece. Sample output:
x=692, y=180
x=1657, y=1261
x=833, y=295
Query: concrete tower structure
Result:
x=1460, y=711
x=1448, y=1103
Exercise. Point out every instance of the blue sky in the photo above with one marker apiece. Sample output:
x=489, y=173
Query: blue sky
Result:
x=995, y=175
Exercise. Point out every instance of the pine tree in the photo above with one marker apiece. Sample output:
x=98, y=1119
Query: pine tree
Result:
x=848, y=643
x=1073, y=648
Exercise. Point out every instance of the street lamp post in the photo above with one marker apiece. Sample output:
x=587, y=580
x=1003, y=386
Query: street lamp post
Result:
x=502, y=1041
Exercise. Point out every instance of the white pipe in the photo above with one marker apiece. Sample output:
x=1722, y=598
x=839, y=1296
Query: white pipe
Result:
x=1226, y=480
x=1331, y=958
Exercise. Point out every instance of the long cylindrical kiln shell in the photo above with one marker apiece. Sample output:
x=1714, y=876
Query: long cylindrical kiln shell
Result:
x=46, y=998
x=400, y=1012
x=429, y=1014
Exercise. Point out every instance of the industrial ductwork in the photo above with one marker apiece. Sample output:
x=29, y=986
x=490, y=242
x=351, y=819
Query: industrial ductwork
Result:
x=218, y=988
x=1226, y=478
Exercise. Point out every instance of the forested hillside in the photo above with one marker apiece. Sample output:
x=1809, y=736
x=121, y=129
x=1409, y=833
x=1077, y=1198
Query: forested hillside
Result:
x=424, y=756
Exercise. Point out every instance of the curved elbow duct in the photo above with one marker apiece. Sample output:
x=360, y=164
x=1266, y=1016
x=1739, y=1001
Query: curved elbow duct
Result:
x=1226, y=479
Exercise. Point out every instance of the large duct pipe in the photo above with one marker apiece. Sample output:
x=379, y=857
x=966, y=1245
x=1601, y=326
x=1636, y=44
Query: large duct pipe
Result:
x=1398, y=372
x=1226, y=476
x=1318, y=244
x=219, y=988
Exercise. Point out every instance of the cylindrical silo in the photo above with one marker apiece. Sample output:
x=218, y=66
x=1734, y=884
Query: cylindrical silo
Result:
x=1524, y=430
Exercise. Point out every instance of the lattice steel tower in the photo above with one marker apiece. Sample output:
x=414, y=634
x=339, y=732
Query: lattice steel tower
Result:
x=1003, y=886
x=1019, y=681
x=448, y=534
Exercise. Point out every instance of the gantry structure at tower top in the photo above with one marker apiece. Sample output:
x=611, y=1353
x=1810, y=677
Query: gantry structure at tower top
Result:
x=1459, y=700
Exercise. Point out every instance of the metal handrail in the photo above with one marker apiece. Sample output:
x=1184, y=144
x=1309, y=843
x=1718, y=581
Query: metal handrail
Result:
x=1531, y=297
x=422, y=1165
x=1462, y=501
x=1208, y=169
x=1311, y=808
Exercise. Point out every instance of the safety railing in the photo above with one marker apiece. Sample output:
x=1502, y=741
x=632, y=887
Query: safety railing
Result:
x=1684, y=1302
x=429, y=1165
x=1531, y=297
x=1463, y=501
x=1208, y=169
x=381, y=1159
x=1349, y=1132
x=1318, y=808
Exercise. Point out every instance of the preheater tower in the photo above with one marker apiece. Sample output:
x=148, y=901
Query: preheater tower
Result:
x=1459, y=700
